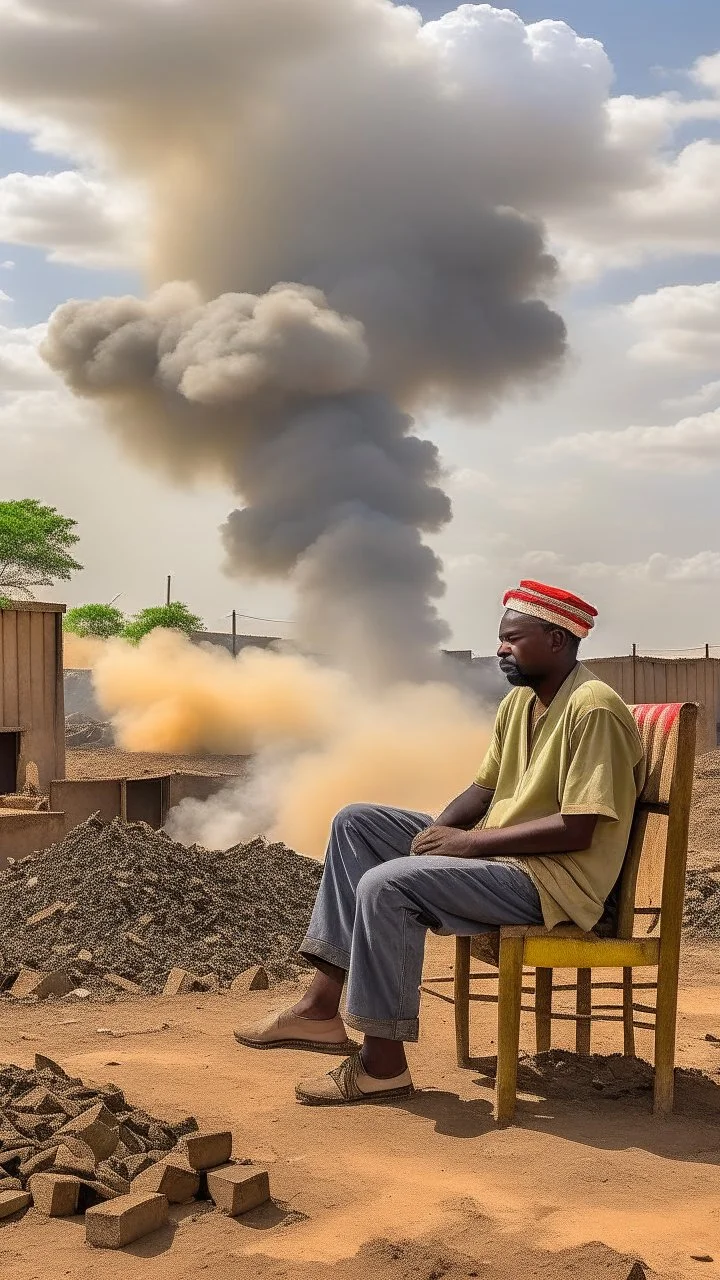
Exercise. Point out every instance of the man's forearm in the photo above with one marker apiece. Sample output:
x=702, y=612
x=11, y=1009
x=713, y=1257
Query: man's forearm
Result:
x=558, y=833
x=467, y=809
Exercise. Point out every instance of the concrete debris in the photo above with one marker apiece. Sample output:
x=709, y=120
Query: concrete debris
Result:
x=142, y=906
x=255, y=979
x=31, y=983
x=207, y=1150
x=235, y=1190
x=122, y=1221
x=13, y=1202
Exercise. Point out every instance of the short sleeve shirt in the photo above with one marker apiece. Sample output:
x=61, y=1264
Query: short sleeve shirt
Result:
x=585, y=757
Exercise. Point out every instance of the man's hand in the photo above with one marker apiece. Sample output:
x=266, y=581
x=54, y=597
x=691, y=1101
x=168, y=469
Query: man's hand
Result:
x=448, y=841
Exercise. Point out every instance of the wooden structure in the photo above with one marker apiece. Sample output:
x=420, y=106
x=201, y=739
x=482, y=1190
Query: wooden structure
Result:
x=32, y=716
x=652, y=891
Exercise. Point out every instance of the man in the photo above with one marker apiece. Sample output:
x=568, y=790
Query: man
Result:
x=539, y=836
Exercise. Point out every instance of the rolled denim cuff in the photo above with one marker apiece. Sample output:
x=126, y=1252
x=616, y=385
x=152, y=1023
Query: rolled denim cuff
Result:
x=402, y=1029
x=313, y=949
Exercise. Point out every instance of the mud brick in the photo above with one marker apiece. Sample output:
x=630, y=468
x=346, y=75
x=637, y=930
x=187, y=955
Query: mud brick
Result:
x=180, y=982
x=255, y=979
x=32, y=982
x=132, y=1144
x=137, y=1164
x=124, y=1220
x=13, y=1201
x=123, y=984
x=67, y=1162
x=55, y=1194
x=38, y=1163
x=170, y=1179
x=48, y=1064
x=207, y=1150
x=75, y=1145
x=97, y=1127
x=235, y=1189
x=42, y=917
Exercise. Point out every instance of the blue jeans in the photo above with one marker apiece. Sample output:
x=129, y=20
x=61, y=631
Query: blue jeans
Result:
x=375, y=904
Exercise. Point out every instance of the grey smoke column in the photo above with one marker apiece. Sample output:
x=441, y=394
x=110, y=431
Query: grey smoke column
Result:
x=339, y=147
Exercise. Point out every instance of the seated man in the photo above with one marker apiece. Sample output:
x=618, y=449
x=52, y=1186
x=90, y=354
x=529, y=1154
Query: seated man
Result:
x=540, y=836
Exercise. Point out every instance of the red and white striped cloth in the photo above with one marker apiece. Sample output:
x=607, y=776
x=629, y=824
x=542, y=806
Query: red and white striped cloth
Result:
x=552, y=604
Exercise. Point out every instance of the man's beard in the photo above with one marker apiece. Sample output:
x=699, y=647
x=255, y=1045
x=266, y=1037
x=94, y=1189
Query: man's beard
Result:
x=514, y=675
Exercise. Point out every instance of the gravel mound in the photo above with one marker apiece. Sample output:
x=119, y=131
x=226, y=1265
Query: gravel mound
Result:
x=82, y=731
x=701, y=917
x=704, y=840
x=51, y=1122
x=140, y=905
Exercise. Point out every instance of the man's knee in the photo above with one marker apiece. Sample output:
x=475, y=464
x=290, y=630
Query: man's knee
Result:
x=382, y=884
x=352, y=815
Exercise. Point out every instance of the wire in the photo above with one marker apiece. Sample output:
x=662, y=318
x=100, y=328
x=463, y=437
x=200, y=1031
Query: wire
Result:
x=251, y=617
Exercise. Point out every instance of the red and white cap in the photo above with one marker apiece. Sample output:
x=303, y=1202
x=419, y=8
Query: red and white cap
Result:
x=552, y=604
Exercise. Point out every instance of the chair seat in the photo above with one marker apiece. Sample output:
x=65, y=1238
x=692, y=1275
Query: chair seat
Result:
x=567, y=947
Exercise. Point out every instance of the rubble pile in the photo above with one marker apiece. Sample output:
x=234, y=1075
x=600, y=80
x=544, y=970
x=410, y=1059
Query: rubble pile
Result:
x=53, y=1123
x=701, y=918
x=118, y=907
x=83, y=731
x=68, y=1147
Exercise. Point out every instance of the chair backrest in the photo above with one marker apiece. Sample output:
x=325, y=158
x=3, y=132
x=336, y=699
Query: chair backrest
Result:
x=652, y=887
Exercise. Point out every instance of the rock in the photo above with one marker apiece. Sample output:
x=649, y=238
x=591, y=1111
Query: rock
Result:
x=255, y=979
x=66, y=1161
x=97, y=1127
x=48, y=1064
x=120, y=1222
x=122, y=984
x=180, y=982
x=13, y=1202
x=235, y=1189
x=207, y=1150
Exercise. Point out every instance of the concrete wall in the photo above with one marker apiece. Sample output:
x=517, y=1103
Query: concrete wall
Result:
x=668, y=680
x=31, y=686
x=194, y=786
x=22, y=833
x=79, y=799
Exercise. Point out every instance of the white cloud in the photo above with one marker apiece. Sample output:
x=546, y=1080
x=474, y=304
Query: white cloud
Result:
x=76, y=218
x=705, y=397
x=8, y=265
x=21, y=365
x=690, y=445
x=5, y=297
x=679, y=324
x=697, y=570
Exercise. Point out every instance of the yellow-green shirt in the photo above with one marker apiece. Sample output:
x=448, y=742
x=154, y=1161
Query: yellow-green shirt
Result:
x=586, y=757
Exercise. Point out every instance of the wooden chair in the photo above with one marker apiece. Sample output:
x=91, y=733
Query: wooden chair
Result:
x=652, y=891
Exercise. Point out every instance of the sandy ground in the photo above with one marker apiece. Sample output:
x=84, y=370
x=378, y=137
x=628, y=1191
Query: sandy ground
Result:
x=108, y=763
x=424, y=1189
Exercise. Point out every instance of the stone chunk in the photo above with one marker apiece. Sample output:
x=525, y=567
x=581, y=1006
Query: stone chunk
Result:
x=67, y=1162
x=235, y=1189
x=207, y=1150
x=170, y=1179
x=38, y=1163
x=138, y=941
x=180, y=982
x=123, y=984
x=122, y=1221
x=48, y=1064
x=55, y=1194
x=255, y=979
x=98, y=1127
x=84, y=958
x=12, y=1202
x=32, y=982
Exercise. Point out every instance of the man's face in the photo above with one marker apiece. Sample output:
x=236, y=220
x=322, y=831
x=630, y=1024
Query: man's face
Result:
x=528, y=651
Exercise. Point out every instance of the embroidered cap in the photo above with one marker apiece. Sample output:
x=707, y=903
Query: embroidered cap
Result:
x=552, y=604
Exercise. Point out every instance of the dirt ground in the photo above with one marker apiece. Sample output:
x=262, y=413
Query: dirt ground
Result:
x=104, y=762
x=428, y=1188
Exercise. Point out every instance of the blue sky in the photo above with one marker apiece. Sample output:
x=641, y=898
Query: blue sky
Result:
x=643, y=536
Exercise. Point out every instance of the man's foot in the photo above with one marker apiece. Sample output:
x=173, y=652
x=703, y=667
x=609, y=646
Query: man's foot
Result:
x=288, y=1030
x=351, y=1083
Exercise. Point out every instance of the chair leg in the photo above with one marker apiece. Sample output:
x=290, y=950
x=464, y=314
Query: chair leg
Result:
x=543, y=1009
x=508, y=1038
x=583, y=1010
x=462, y=1001
x=628, y=1015
x=665, y=1025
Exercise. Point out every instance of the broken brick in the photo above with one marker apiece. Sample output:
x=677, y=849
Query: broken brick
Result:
x=67, y=1162
x=180, y=982
x=207, y=1150
x=97, y=1127
x=122, y=984
x=55, y=1194
x=169, y=1178
x=42, y=917
x=122, y=1221
x=12, y=1202
x=235, y=1189
x=32, y=982
x=254, y=979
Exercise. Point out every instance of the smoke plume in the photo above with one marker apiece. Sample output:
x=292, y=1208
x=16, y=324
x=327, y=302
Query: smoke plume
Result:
x=347, y=192
x=317, y=739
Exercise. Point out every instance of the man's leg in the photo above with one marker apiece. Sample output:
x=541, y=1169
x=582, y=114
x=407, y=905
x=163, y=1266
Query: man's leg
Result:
x=396, y=904
x=362, y=837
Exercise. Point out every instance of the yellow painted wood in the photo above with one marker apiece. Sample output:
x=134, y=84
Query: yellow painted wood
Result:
x=605, y=953
x=508, y=1037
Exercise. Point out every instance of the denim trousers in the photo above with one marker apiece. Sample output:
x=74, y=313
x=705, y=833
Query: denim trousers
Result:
x=375, y=904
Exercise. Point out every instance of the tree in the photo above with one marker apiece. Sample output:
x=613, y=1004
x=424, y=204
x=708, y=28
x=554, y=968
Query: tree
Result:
x=35, y=544
x=175, y=617
x=102, y=620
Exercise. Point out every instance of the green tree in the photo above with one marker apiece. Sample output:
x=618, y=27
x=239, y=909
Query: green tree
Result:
x=35, y=544
x=102, y=620
x=175, y=617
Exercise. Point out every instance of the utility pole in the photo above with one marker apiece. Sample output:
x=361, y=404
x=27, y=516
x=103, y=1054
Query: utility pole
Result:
x=234, y=634
x=169, y=586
